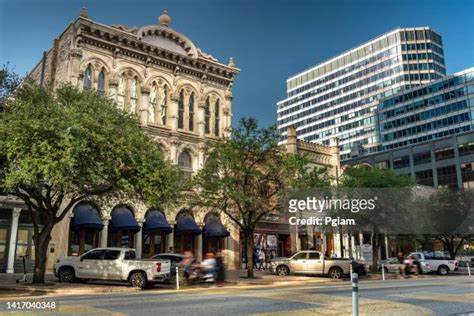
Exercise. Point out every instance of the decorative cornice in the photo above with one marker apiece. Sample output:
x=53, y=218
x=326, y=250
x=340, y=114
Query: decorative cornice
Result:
x=116, y=41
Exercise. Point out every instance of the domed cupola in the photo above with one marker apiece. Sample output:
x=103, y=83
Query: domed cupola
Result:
x=163, y=36
x=164, y=19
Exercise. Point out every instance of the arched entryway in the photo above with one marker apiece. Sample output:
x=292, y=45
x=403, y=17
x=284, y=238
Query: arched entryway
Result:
x=214, y=233
x=122, y=228
x=155, y=229
x=185, y=232
x=84, y=228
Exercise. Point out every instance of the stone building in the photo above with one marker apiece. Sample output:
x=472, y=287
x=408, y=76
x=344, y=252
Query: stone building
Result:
x=274, y=232
x=183, y=98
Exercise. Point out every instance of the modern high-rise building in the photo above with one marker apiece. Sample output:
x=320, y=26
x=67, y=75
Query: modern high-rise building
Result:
x=339, y=97
x=427, y=132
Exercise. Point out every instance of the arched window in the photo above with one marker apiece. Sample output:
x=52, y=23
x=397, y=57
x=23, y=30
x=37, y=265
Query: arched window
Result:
x=121, y=92
x=185, y=164
x=88, y=77
x=84, y=228
x=216, y=118
x=101, y=82
x=152, y=104
x=191, y=112
x=207, y=117
x=128, y=92
x=164, y=105
x=181, y=110
x=133, y=92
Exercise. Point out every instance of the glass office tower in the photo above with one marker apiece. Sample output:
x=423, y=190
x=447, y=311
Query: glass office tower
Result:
x=339, y=97
x=428, y=112
x=427, y=132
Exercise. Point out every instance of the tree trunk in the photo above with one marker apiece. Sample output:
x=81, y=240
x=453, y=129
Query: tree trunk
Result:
x=350, y=244
x=249, y=246
x=375, y=251
x=41, y=253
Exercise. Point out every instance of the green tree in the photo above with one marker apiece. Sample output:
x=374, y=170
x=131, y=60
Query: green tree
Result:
x=246, y=173
x=60, y=147
x=449, y=216
x=367, y=181
x=9, y=81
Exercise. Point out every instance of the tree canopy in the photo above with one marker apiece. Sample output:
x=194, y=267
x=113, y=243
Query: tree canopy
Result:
x=60, y=147
x=245, y=174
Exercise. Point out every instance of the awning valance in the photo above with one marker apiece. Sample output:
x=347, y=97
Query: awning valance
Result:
x=186, y=225
x=214, y=228
x=155, y=222
x=86, y=216
x=122, y=219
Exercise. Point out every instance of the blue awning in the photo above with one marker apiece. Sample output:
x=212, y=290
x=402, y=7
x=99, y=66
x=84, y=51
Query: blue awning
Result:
x=214, y=228
x=186, y=226
x=122, y=219
x=86, y=216
x=155, y=222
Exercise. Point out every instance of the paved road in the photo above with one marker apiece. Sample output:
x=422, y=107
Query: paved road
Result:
x=452, y=295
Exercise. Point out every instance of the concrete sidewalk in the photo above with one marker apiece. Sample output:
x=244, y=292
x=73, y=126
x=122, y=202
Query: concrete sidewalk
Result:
x=264, y=277
x=10, y=289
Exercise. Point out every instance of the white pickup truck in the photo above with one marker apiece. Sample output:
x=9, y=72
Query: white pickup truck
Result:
x=438, y=263
x=314, y=262
x=116, y=264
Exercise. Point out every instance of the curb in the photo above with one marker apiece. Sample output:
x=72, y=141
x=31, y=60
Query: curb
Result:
x=70, y=291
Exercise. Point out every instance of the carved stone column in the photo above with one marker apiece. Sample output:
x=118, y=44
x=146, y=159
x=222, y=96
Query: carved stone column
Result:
x=145, y=100
x=75, y=56
x=13, y=236
x=113, y=85
x=174, y=143
x=139, y=239
x=173, y=113
x=201, y=118
x=170, y=238
x=199, y=244
x=104, y=234
x=202, y=148
x=226, y=123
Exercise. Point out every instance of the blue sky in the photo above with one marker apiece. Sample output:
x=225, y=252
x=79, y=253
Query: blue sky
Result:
x=270, y=40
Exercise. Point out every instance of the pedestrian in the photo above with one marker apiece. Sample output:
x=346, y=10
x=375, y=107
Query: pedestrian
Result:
x=208, y=267
x=401, y=263
x=171, y=250
x=268, y=258
x=255, y=258
x=261, y=259
x=220, y=269
x=187, y=264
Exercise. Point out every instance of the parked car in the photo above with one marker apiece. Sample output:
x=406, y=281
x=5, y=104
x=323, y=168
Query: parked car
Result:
x=392, y=265
x=314, y=262
x=174, y=258
x=117, y=264
x=438, y=262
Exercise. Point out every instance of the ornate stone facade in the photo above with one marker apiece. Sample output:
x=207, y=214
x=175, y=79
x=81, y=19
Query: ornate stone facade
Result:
x=182, y=96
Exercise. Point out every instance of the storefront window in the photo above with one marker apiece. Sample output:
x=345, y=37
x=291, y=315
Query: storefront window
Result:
x=183, y=243
x=153, y=244
x=83, y=240
x=121, y=238
x=22, y=243
x=3, y=243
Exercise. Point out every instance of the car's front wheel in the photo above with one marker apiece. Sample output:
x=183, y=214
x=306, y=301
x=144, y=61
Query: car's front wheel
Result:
x=335, y=273
x=282, y=270
x=66, y=275
x=138, y=279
